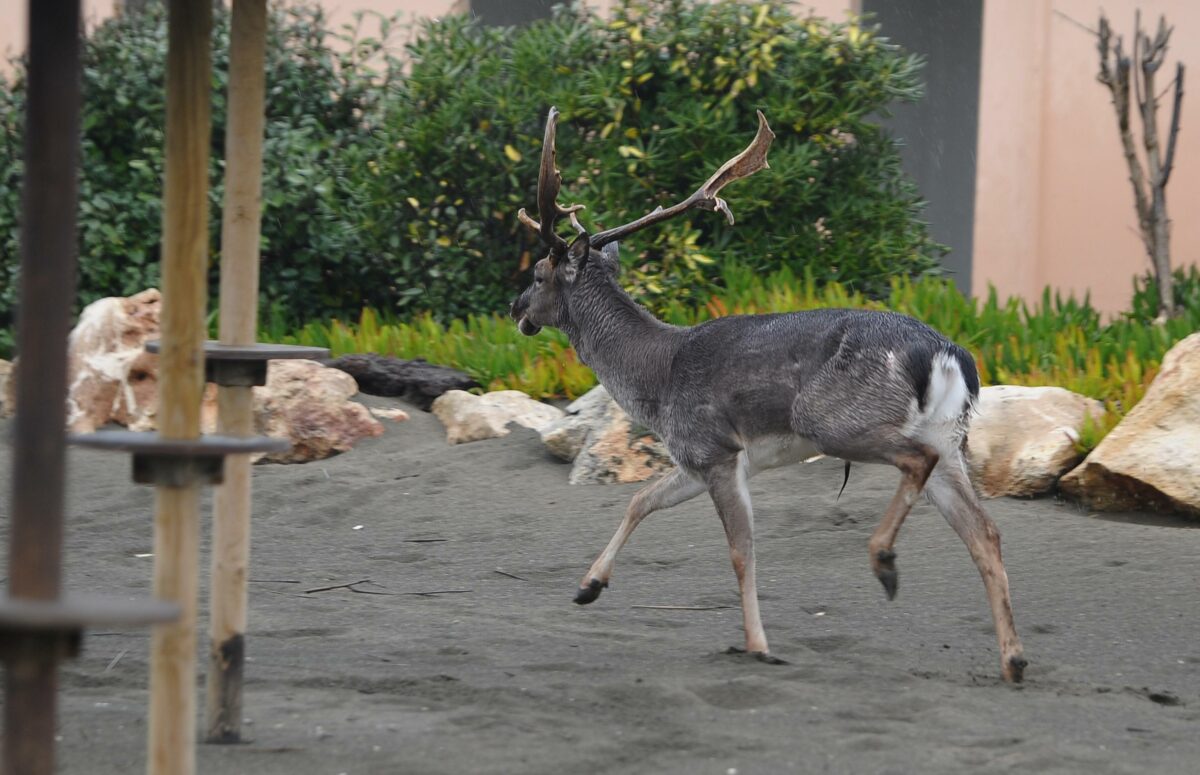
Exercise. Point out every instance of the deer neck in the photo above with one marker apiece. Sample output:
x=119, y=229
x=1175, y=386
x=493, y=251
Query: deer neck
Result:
x=627, y=347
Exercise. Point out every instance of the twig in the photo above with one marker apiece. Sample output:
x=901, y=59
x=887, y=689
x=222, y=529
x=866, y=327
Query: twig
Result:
x=1076, y=22
x=424, y=540
x=683, y=607
x=353, y=587
x=510, y=575
x=115, y=660
x=335, y=586
x=272, y=581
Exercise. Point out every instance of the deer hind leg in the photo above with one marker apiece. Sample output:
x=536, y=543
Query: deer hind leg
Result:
x=952, y=494
x=727, y=487
x=915, y=466
x=672, y=489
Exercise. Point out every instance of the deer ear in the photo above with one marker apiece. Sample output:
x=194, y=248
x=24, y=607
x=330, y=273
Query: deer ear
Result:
x=577, y=256
x=612, y=254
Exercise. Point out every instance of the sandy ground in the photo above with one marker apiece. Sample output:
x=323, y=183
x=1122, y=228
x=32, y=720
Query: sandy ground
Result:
x=508, y=676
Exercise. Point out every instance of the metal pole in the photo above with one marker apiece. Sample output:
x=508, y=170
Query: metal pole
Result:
x=240, y=229
x=181, y=381
x=47, y=291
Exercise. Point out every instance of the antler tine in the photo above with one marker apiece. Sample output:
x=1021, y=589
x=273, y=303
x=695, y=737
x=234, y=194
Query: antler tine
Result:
x=549, y=184
x=745, y=164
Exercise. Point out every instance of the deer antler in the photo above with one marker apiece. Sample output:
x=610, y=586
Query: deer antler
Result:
x=549, y=183
x=745, y=164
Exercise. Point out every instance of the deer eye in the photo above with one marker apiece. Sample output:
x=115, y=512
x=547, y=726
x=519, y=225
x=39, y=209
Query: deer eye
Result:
x=537, y=281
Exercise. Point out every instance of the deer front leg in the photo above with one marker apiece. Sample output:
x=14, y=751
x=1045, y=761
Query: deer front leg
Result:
x=672, y=489
x=727, y=487
x=952, y=494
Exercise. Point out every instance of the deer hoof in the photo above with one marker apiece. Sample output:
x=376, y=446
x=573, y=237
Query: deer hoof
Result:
x=762, y=656
x=1014, y=669
x=887, y=573
x=589, y=593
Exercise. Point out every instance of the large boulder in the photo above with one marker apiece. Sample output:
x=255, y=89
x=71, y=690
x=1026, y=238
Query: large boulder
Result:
x=1151, y=459
x=415, y=380
x=112, y=378
x=565, y=437
x=604, y=442
x=1023, y=438
x=469, y=417
x=8, y=389
x=309, y=405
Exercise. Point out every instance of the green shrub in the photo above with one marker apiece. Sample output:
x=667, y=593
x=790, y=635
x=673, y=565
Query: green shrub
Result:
x=395, y=185
x=652, y=102
x=316, y=103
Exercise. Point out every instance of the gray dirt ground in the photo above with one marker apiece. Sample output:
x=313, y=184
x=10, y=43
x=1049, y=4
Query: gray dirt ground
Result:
x=511, y=677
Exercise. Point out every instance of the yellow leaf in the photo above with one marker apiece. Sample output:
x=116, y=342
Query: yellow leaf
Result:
x=631, y=133
x=635, y=34
x=512, y=153
x=761, y=16
x=412, y=200
x=443, y=242
x=631, y=150
x=644, y=77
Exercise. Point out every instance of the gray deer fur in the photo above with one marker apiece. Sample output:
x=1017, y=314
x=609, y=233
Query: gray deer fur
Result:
x=741, y=394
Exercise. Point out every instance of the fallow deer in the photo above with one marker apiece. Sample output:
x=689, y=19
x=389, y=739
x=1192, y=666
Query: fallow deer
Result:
x=737, y=395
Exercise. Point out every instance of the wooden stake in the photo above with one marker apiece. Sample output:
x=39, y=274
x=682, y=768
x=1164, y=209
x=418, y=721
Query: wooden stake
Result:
x=181, y=380
x=239, y=316
x=48, y=251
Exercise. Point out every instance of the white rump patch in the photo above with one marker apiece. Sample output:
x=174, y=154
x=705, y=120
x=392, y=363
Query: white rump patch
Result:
x=940, y=424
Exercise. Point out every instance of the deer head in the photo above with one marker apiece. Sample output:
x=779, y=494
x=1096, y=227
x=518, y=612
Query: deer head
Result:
x=555, y=277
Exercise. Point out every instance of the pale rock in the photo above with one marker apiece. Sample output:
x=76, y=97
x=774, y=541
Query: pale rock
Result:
x=310, y=405
x=618, y=452
x=1022, y=439
x=469, y=417
x=565, y=437
x=112, y=379
x=1151, y=460
x=8, y=389
x=605, y=443
x=395, y=415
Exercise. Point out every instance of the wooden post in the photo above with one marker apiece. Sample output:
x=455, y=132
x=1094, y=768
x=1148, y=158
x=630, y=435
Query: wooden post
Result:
x=47, y=292
x=240, y=228
x=181, y=380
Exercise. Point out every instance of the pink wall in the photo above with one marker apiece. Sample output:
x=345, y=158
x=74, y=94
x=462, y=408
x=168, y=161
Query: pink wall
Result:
x=1053, y=201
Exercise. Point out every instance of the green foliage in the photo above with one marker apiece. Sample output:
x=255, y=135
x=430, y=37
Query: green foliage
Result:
x=652, y=102
x=313, y=261
x=1057, y=341
x=395, y=185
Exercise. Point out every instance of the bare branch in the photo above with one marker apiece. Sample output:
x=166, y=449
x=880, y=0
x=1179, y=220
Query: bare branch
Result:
x=1173, y=134
x=745, y=164
x=1138, y=79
